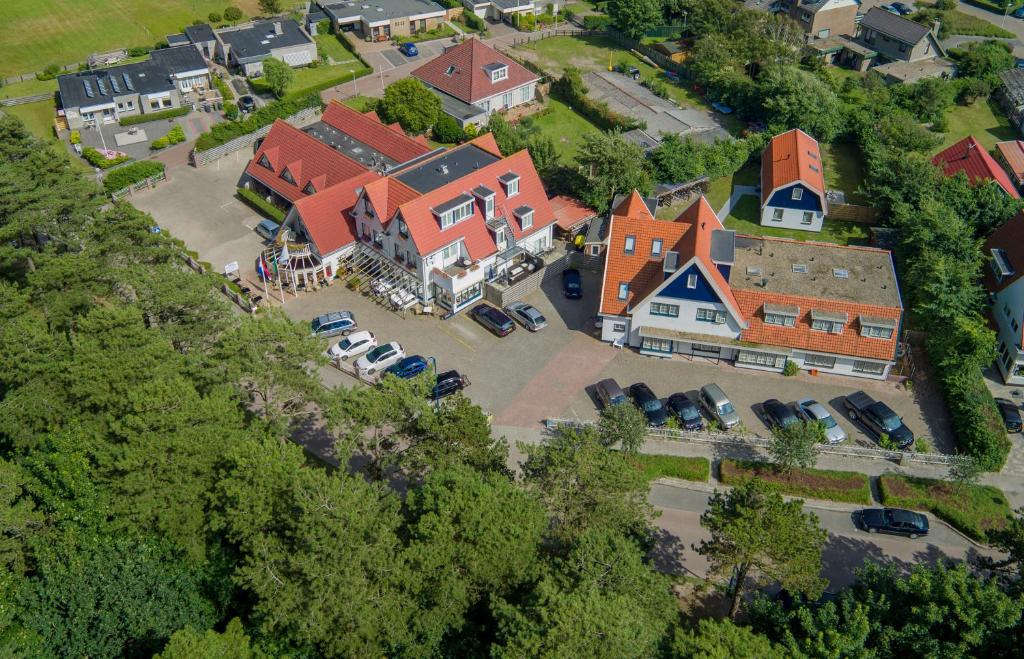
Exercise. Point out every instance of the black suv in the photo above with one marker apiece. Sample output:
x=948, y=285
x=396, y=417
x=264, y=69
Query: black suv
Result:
x=893, y=520
x=448, y=383
x=649, y=404
x=686, y=411
x=493, y=319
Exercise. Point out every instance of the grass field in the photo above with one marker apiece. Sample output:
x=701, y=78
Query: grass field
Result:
x=564, y=126
x=41, y=32
x=843, y=171
x=984, y=119
x=973, y=509
x=28, y=88
x=307, y=77
x=847, y=486
x=335, y=48
x=361, y=103
x=672, y=466
x=957, y=22
x=745, y=218
x=38, y=117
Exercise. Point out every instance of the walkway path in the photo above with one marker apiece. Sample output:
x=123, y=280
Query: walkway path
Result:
x=737, y=192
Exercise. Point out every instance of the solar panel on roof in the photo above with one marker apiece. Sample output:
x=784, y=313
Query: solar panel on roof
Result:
x=115, y=86
x=128, y=82
x=88, y=88
x=101, y=86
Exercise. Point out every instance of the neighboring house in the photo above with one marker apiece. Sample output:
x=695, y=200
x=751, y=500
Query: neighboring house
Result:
x=820, y=19
x=203, y=38
x=473, y=80
x=384, y=19
x=692, y=287
x=793, y=183
x=245, y=48
x=312, y=19
x=1012, y=96
x=1011, y=156
x=971, y=158
x=505, y=10
x=898, y=39
x=165, y=81
x=1005, y=247
x=571, y=216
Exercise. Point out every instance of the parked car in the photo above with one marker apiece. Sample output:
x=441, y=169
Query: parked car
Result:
x=267, y=229
x=334, y=323
x=686, y=411
x=527, y=315
x=572, y=284
x=777, y=414
x=493, y=319
x=380, y=358
x=1011, y=414
x=901, y=8
x=893, y=520
x=408, y=367
x=722, y=107
x=811, y=410
x=247, y=104
x=352, y=345
x=448, y=383
x=1018, y=13
x=409, y=49
x=609, y=393
x=649, y=404
x=718, y=406
x=878, y=418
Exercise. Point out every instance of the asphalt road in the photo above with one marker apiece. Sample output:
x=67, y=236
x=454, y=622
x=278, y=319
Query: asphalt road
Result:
x=845, y=550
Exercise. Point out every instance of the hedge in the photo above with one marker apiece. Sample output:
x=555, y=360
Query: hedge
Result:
x=671, y=466
x=122, y=177
x=597, y=22
x=264, y=116
x=571, y=89
x=154, y=116
x=847, y=486
x=972, y=509
x=175, y=136
x=262, y=205
x=96, y=158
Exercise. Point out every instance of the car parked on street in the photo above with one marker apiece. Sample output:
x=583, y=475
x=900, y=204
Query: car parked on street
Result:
x=408, y=367
x=1010, y=413
x=778, y=415
x=334, y=323
x=267, y=229
x=878, y=418
x=409, y=49
x=609, y=393
x=895, y=521
x=354, y=344
x=718, y=406
x=493, y=319
x=380, y=358
x=685, y=411
x=811, y=410
x=448, y=383
x=527, y=315
x=572, y=284
x=649, y=403
x=1018, y=13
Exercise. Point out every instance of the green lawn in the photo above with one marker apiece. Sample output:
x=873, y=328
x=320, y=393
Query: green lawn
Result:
x=442, y=31
x=38, y=117
x=579, y=7
x=307, y=77
x=28, y=88
x=984, y=119
x=745, y=218
x=41, y=32
x=847, y=486
x=335, y=48
x=361, y=103
x=957, y=22
x=672, y=466
x=564, y=126
x=974, y=509
x=842, y=162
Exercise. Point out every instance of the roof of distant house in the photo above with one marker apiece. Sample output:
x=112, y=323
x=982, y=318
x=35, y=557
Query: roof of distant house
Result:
x=326, y=213
x=570, y=213
x=895, y=26
x=1013, y=153
x=1013, y=84
x=791, y=157
x=381, y=10
x=367, y=129
x=200, y=33
x=463, y=71
x=100, y=86
x=177, y=40
x=256, y=41
x=971, y=158
x=1008, y=239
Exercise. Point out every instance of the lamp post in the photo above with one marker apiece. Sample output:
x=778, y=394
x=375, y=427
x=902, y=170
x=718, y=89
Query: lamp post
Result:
x=355, y=89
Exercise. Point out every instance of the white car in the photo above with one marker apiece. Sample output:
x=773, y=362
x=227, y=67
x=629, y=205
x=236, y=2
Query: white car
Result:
x=352, y=345
x=811, y=410
x=401, y=299
x=380, y=358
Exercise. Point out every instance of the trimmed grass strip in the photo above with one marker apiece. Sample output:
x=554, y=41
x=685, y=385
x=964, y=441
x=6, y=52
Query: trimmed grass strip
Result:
x=671, y=466
x=847, y=486
x=972, y=509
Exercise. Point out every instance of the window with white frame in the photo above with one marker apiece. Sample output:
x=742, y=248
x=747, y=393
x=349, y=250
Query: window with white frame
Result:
x=661, y=309
x=623, y=290
x=715, y=316
x=630, y=246
x=820, y=361
x=511, y=185
x=499, y=74
x=456, y=214
x=450, y=253
x=871, y=368
x=808, y=218
x=526, y=220
x=761, y=359
x=691, y=281
x=798, y=194
x=618, y=327
x=831, y=326
x=785, y=320
x=656, y=247
x=656, y=345
x=875, y=331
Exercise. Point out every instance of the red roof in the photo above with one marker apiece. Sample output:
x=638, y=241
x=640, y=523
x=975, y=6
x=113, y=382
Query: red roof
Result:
x=971, y=158
x=326, y=214
x=307, y=160
x=1010, y=238
x=368, y=129
x=468, y=81
x=569, y=212
x=791, y=157
x=1013, y=155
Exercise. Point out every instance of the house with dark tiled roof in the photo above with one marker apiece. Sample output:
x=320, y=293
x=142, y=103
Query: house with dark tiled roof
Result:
x=971, y=158
x=473, y=80
x=380, y=20
x=692, y=287
x=1011, y=95
x=1004, y=280
x=793, y=183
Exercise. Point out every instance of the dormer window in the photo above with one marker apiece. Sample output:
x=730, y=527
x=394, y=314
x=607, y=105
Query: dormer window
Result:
x=309, y=189
x=498, y=72
x=876, y=327
x=510, y=182
x=780, y=314
x=265, y=162
x=286, y=175
x=1000, y=265
x=525, y=215
x=455, y=210
x=486, y=197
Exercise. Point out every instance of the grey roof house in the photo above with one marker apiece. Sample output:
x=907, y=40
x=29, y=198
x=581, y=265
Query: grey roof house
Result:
x=908, y=51
x=1011, y=94
x=203, y=38
x=246, y=47
x=384, y=19
x=162, y=82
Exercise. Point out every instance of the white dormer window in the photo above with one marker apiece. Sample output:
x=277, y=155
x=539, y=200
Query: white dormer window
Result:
x=499, y=72
x=510, y=182
x=265, y=162
x=486, y=197
x=455, y=212
x=798, y=194
x=286, y=175
x=525, y=215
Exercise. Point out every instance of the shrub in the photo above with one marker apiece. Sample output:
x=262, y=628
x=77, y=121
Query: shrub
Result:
x=260, y=204
x=175, y=136
x=232, y=14
x=972, y=509
x=657, y=87
x=97, y=159
x=154, y=116
x=264, y=116
x=49, y=73
x=231, y=110
x=160, y=45
x=213, y=17
x=447, y=130
x=131, y=174
x=473, y=21
x=139, y=51
x=790, y=369
x=76, y=137
x=596, y=22
x=847, y=486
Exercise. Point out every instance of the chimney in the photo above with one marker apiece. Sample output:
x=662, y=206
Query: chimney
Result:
x=277, y=28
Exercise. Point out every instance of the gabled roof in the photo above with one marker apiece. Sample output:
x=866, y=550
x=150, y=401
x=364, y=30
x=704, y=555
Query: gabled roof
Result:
x=368, y=129
x=306, y=158
x=570, y=213
x=895, y=26
x=258, y=40
x=1010, y=239
x=468, y=79
x=971, y=158
x=791, y=157
x=1013, y=153
x=634, y=206
x=326, y=213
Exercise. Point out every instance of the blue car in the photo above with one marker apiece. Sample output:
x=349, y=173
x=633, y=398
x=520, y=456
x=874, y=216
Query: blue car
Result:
x=1018, y=13
x=572, y=285
x=409, y=49
x=408, y=368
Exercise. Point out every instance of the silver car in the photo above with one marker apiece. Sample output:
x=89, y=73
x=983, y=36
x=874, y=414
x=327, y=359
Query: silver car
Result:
x=811, y=410
x=527, y=316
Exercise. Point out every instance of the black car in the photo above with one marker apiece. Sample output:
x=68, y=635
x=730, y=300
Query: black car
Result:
x=778, y=415
x=895, y=521
x=572, y=284
x=247, y=104
x=649, y=403
x=1011, y=414
x=493, y=319
x=686, y=411
x=448, y=383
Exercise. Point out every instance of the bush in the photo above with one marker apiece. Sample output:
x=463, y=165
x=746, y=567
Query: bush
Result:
x=175, y=136
x=97, y=159
x=49, y=73
x=232, y=14
x=847, y=486
x=671, y=466
x=264, y=116
x=657, y=87
x=261, y=205
x=76, y=137
x=972, y=509
x=213, y=17
x=980, y=432
x=790, y=369
x=596, y=22
x=570, y=89
x=139, y=51
x=154, y=116
x=473, y=21
x=447, y=131
x=231, y=110
x=131, y=174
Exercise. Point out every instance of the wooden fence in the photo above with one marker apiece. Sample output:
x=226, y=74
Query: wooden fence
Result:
x=852, y=213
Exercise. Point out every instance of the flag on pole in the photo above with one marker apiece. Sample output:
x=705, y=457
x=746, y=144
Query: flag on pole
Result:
x=261, y=268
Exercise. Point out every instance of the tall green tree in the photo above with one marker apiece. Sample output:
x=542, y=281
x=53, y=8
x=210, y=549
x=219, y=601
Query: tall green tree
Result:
x=624, y=425
x=723, y=639
x=270, y=6
x=277, y=74
x=410, y=103
x=612, y=166
x=634, y=17
x=796, y=445
x=757, y=535
x=794, y=98
x=232, y=643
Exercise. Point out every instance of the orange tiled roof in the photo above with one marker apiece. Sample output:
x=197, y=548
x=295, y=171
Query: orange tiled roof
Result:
x=790, y=157
x=326, y=213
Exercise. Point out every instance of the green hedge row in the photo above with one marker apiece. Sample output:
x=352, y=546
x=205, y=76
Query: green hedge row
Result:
x=262, y=205
x=96, y=159
x=155, y=116
x=980, y=432
x=671, y=466
x=264, y=116
x=847, y=486
x=972, y=509
x=571, y=90
x=122, y=177
x=175, y=136
x=597, y=22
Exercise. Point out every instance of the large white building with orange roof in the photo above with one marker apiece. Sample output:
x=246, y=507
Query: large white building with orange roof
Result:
x=793, y=183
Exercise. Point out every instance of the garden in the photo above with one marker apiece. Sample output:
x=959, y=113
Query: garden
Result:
x=671, y=466
x=973, y=509
x=847, y=486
